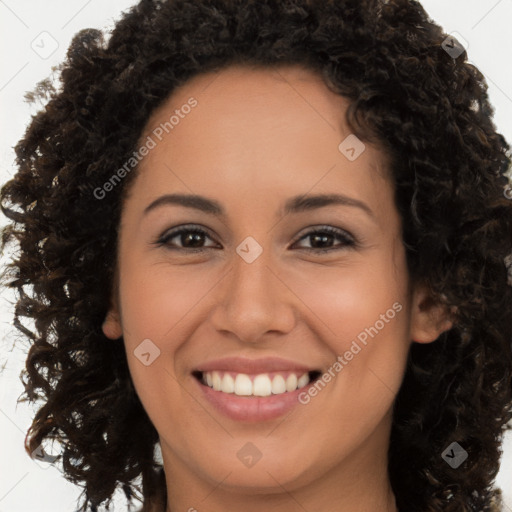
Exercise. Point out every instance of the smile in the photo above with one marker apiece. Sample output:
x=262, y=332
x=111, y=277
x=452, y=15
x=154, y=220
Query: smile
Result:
x=253, y=390
x=263, y=384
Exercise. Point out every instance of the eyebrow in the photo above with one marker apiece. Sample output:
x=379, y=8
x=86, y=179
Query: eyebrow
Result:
x=295, y=204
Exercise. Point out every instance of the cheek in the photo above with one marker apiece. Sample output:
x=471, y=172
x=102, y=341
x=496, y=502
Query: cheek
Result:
x=363, y=313
x=348, y=300
x=154, y=310
x=154, y=300
x=163, y=305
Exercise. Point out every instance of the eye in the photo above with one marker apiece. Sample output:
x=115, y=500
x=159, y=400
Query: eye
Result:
x=191, y=238
x=323, y=238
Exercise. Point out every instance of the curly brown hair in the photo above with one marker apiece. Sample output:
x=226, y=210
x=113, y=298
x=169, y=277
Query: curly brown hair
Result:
x=430, y=113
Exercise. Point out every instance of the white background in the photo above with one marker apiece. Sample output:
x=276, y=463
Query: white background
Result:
x=24, y=485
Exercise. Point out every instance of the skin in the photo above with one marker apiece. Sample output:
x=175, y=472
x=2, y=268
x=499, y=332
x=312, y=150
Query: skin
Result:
x=256, y=138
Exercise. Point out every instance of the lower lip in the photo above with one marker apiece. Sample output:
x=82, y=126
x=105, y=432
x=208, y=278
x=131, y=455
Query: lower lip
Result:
x=252, y=408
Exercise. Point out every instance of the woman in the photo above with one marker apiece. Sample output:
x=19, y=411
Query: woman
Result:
x=269, y=239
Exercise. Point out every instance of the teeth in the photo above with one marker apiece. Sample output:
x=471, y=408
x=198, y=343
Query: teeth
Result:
x=216, y=381
x=228, y=384
x=243, y=385
x=278, y=385
x=303, y=380
x=261, y=385
x=291, y=382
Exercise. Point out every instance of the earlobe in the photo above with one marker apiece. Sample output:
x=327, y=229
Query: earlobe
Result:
x=429, y=319
x=112, y=325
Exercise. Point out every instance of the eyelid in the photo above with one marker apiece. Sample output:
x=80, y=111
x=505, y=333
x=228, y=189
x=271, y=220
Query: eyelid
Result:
x=311, y=230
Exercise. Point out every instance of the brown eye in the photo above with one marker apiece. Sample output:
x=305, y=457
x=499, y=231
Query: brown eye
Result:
x=321, y=240
x=192, y=238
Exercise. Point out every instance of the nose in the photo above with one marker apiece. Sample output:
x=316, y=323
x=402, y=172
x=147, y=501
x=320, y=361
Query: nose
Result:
x=254, y=301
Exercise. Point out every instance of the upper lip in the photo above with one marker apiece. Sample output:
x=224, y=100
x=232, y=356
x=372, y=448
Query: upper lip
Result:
x=254, y=366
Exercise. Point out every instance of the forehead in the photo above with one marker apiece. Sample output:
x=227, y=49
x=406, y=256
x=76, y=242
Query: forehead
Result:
x=239, y=89
x=255, y=130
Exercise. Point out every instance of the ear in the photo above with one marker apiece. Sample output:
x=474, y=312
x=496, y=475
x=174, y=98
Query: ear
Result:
x=429, y=319
x=112, y=324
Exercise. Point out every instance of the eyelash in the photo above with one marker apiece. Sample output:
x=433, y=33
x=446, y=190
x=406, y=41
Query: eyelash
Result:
x=348, y=240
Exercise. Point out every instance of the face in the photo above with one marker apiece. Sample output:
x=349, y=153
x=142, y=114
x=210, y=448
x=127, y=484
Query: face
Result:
x=263, y=295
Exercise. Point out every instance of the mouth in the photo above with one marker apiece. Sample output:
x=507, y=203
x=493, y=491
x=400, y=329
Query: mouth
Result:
x=253, y=390
x=256, y=385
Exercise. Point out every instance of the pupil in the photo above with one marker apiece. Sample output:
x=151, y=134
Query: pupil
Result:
x=324, y=239
x=195, y=239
